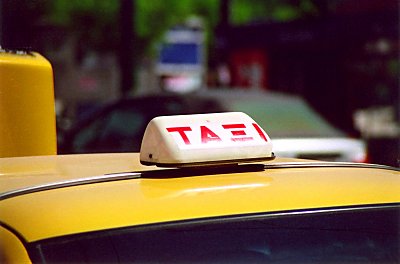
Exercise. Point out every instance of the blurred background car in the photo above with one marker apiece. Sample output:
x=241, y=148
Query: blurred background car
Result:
x=119, y=126
x=296, y=129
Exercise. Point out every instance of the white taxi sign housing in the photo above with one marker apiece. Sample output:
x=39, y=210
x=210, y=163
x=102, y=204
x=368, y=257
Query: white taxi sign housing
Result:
x=204, y=139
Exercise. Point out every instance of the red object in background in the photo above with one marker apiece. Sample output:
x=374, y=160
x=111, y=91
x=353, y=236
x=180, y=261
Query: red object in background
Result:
x=249, y=68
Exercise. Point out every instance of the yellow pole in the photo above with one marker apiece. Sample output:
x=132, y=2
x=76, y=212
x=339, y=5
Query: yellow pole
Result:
x=27, y=109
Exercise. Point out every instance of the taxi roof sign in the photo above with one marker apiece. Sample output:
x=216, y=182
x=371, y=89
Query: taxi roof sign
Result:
x=204, y=139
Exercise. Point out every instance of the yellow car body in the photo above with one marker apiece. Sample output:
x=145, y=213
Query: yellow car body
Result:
x=54, y=196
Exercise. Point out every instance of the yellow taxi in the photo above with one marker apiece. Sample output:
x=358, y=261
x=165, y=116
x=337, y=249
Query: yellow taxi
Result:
x=204, y=188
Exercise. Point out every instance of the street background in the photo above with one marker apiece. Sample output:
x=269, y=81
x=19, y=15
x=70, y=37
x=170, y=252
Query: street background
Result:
x=341, y=56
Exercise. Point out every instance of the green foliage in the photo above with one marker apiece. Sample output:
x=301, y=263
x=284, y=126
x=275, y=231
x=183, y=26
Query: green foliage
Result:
x=96, y=21
x=63, y=12
x=153, y=18
x=247, y=11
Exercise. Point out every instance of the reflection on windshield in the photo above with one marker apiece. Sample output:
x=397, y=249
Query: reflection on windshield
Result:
x=362, y=236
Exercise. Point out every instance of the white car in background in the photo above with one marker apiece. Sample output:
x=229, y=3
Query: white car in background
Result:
x=295, y=128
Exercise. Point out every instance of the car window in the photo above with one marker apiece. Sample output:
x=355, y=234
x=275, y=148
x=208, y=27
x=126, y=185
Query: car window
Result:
x=85, y=136
x=281, y=115
x=287, y=119
x=119, y=130
x=336, y=236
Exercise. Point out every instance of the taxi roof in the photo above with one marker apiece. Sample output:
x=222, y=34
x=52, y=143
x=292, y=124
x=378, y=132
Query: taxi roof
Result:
x=125, y=193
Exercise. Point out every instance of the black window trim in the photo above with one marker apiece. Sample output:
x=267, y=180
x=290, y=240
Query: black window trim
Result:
x=34, y=248
x=228, y=218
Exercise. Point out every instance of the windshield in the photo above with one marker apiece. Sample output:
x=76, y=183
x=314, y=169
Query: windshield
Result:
x=362, y=236
x=282, y=116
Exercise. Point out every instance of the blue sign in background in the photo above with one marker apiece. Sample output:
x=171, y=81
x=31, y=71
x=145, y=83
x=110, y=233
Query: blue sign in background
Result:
x=180, y=53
